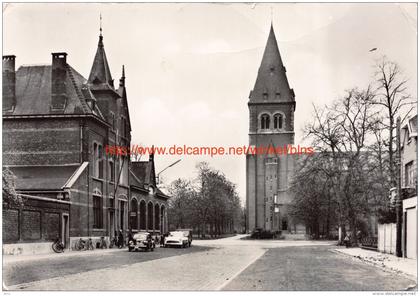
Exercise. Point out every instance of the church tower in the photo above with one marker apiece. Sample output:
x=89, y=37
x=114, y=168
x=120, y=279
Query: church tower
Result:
x=271, y=126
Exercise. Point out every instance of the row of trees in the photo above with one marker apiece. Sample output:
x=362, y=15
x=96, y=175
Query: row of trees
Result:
x=347, y=182
x=209, y=204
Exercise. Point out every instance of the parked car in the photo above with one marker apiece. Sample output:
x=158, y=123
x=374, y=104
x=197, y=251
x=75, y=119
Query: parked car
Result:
x=176, y=238
x=187, y=233
x=141, y=241
x=260, y=233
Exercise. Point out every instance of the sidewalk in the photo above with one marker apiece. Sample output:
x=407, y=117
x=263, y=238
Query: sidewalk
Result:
x=33, y=257
x=387, y=261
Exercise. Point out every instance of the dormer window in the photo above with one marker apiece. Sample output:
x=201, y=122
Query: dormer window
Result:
x=265, y=121
x=265, y=96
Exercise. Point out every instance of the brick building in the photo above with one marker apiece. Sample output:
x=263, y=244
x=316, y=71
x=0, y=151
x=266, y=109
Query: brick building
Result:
x=148, y=204
x=271, y=124
x=56, y=124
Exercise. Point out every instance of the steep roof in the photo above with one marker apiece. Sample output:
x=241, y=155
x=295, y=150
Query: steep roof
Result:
x=143, y=173
x=33, y=92
x=140, y=169
x=42, y=178
x=272, y=83
x=100, y=73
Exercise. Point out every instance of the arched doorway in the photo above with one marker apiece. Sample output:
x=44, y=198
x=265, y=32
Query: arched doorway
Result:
x=162, y=219
x=143, y=215
x=157, y=217
x=133, y=214
x=150, y=216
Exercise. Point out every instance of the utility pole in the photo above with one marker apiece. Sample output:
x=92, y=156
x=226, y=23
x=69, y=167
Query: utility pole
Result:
x=398, y=203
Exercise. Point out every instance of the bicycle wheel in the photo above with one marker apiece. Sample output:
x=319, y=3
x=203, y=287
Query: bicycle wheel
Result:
x=57, y=247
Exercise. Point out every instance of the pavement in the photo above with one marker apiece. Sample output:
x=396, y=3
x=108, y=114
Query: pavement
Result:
x=223, y=264
x=388, y=261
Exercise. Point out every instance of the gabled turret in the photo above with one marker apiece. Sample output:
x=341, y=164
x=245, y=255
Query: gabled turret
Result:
x=100, y=73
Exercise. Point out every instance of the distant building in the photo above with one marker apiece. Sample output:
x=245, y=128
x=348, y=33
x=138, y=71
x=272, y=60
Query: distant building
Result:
x=148, y=204
x=56, y=125
x=409, y=184
x=271, y=124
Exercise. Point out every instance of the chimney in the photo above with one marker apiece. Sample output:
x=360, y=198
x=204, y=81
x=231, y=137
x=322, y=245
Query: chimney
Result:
x=9, y=83
x=58, y=81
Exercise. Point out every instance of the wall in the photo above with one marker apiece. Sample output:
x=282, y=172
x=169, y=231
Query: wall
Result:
x=41, y=141
x=387, y=238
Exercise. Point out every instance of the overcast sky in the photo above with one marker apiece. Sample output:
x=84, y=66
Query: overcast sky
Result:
x=190, y=67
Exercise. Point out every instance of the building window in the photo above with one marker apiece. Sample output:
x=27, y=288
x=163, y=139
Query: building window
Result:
x=133, y=214
x=265, y=121
x=265, y=96
x=111, y=171
x=98, y=168
x=143, y=215
x=150, y=216
x=278, y=121
x=270, y=160
x=409, y=174
x=122, y=212
x=100, y=162
x=157, y=217
x=97, y=211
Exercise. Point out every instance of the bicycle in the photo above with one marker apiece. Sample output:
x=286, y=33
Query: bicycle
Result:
x=58, y=246
x=113, y=242
x=82, y=245
x=101, y=244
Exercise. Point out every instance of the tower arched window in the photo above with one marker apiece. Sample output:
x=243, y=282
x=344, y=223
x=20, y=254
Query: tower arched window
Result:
x=265, y=121
x=278, y=121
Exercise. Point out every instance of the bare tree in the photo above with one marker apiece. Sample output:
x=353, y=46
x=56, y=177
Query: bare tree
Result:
x=343, y=132
x=392, y=95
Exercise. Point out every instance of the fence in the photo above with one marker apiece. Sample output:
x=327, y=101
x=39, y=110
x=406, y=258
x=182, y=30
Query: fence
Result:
x=387, y=237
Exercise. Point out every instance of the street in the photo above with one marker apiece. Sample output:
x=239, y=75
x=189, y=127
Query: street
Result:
x=224, y=264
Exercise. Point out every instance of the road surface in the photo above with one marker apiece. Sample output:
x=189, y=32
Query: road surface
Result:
x=225, y=264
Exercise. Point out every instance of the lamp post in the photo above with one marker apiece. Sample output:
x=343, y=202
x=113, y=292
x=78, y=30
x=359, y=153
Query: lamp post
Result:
x=171, y=165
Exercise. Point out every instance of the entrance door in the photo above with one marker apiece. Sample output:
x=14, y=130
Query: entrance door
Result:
x=411, y=233
x=65, y=230
x=111, y=224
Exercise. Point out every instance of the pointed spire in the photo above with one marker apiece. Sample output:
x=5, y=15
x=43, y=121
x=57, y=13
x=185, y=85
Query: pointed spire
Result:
x=271, y=83
x=122, y=79
x=100, y=25
x=100, y=73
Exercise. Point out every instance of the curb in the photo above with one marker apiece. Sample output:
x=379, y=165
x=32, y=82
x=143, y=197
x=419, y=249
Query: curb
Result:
x=383, y=267
x=11, y=259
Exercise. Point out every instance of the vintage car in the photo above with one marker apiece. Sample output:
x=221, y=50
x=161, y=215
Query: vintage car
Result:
x=187, y=233
x=176, y=238
x=141, y=241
